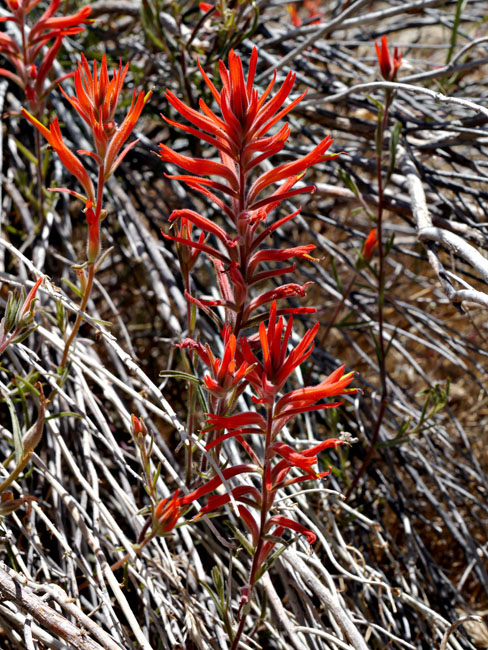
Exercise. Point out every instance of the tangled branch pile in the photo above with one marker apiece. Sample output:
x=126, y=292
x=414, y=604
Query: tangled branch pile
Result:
x=402, y=562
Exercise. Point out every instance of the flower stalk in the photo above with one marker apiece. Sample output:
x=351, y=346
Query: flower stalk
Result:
x=42, y=40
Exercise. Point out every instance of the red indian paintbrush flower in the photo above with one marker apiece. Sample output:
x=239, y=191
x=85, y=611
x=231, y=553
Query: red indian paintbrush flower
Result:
x=388, y=66
x=244, y=133
x=28, y=74
x=241, y=135
x=96, y=101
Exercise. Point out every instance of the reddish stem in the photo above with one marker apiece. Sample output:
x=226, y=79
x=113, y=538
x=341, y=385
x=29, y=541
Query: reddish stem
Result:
x=381, y=280
x=266, y=504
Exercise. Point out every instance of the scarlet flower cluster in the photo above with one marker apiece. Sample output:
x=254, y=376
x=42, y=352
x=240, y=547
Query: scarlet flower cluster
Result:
x=96, y=102
x=28, y=75
x=241, y=136
x=244, y=136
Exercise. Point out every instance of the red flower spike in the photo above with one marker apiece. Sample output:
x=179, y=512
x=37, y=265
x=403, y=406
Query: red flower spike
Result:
x=388, y=66
x=96, y=102
x=25, y=59
x=240, y=133
x=166, y=515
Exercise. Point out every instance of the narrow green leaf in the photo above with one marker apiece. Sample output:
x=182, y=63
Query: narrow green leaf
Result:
x=336, y=276
x=349, y=182
x=28, y=154
x=218, y=580
x=272, y=559
x=213, y=597
x=76, y=290
x=242, y=539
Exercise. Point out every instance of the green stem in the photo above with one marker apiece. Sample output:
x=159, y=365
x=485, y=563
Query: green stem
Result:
x=89, y=282
x=40, y=179
x=79, y=318
x=381, y=293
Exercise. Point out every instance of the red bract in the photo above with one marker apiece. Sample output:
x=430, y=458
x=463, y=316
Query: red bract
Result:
x=166, y=515
x=29, y=76
x=370, y=244
x=215, y=482
x=306, y=399
x=269, y=375
x=72, y=163
x=388, y=66
x=226, y=373
x=240, y=132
